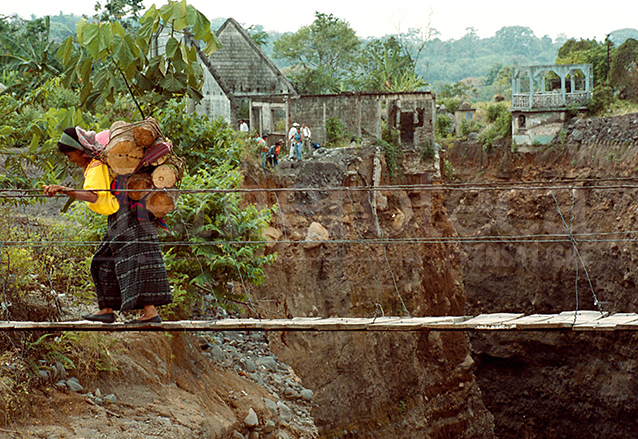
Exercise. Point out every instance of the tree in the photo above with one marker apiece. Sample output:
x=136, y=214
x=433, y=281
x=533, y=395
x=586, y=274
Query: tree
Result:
x=585, y=52
x=110, y=59
x=258, y=35
x=624, y=70
x=124, y=11
x=462, y=90
x=27, y=51
x=322, y=55
x=387, y=66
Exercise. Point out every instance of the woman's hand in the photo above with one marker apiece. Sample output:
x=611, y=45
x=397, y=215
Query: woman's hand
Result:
x=82, y=195
x=54, y=189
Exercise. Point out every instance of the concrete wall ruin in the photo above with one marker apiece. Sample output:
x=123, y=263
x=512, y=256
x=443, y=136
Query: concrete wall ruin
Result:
x=362, y=115
x=536, y=127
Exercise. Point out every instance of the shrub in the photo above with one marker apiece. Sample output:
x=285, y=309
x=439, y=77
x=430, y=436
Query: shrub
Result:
x=447, y=170
x=501, y=128
x=427, y=150
x=494, y=111
x=451, y=104
x=221, y=229
x=393, y=156
x=444, y=124
x=602, y=97
x=472, y=126
x=335, y=130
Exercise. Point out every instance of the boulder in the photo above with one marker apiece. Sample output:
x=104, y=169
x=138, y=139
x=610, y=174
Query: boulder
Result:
x=251, y=419
x=316, y=233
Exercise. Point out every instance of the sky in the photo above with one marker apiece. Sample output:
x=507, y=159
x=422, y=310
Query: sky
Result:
x=576, y=19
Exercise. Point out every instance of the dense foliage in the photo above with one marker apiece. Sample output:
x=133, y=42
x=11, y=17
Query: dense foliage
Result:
x=103, y=83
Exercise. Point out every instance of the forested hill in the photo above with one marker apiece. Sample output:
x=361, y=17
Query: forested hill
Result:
x=470, y=56
x=439, y=61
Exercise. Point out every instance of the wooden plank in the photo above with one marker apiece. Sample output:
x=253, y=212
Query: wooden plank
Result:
x=415, y=323
x=564, y=320
x=610, y=323
x=346, y=324
x=529, y=322
x=489, y=321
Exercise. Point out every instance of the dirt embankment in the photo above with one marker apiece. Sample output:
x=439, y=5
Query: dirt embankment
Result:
x=549, y=385
x=165, y=388
x=399, y=385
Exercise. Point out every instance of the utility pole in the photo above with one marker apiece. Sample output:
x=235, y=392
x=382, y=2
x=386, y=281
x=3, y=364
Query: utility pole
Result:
x=608, y=43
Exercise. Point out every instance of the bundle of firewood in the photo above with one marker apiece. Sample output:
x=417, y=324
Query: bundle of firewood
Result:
x=142, y=153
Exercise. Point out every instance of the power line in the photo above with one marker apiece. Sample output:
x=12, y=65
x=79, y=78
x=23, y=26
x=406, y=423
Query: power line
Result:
x=466, y=186
x=532, y=239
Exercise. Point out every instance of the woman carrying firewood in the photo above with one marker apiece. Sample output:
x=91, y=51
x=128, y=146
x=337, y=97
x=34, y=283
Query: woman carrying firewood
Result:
x=128, y=268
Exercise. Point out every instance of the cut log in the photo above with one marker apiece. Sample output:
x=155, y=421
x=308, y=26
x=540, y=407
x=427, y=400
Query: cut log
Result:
x=165, y=176
x=161, y=202
x=140, y=181
x=146, y=132
x=170, y=173
x=122, y=153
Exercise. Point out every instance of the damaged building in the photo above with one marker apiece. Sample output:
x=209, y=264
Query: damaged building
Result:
x=240, y=81
x=361, y=114
x=543, y=98
x=238, y=73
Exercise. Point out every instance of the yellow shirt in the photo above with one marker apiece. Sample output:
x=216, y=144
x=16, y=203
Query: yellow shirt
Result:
x=96, y=176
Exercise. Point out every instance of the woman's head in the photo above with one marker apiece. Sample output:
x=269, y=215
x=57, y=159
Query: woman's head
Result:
x=69, y=145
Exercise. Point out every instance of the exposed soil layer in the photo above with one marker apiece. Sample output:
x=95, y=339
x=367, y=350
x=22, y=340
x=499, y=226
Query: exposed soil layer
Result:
x=548, y=385
x=399, y=385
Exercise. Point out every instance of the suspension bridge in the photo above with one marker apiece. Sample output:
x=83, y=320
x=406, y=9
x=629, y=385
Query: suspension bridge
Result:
x=575, y=321
x=565, y=321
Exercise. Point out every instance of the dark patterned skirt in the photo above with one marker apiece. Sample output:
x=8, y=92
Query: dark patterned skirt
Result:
x=128, y=268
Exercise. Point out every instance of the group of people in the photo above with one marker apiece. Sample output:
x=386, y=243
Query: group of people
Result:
x=300, y=139
x=269, y=154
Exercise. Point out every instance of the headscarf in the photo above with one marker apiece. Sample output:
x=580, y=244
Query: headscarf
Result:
x=87, y=143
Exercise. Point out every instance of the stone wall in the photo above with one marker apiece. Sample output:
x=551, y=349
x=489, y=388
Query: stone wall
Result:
x=360, y=114
x=412, y=114
x=613, y=130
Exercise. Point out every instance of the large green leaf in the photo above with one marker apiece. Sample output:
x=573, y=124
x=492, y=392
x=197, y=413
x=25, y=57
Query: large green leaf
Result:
x=85, y=70
x=124, y=53
x=90, y=39
x=199, y=23
x=86, y=91
x=172, y=46
x=173, y=83
x=65, y=52
x=105, y=37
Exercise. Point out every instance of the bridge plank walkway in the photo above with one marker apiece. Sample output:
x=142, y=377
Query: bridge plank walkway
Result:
x=568, y=320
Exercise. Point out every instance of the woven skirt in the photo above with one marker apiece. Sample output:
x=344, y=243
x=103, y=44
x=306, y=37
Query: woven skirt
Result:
x=128, y=268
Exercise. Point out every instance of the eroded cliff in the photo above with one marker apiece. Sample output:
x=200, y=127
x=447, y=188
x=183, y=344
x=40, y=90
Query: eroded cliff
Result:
x=400, y=385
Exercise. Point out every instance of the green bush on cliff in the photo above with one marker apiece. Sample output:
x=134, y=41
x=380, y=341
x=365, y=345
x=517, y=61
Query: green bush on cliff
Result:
x=500, y=126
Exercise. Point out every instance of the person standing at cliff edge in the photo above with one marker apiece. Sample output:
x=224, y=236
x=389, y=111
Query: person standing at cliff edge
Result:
x=307, y=139
x=128, y=268
x=294, y=130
